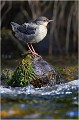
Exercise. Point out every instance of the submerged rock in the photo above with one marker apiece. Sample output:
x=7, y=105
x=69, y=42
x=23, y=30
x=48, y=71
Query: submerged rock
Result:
x=36, y=71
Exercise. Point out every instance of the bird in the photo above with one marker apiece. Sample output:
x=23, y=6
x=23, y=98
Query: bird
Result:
x=32, y=32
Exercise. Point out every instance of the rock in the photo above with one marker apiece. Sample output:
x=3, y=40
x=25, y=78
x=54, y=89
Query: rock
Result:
x=5, y=75
x=36, y=71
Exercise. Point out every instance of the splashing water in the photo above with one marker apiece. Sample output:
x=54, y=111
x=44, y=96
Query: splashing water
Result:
x=66, y=88
x=59, y=101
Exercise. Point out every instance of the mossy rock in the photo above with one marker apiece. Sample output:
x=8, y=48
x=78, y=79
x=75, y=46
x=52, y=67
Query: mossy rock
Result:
x=34, y=70
x=6, y=74
x=68, y=72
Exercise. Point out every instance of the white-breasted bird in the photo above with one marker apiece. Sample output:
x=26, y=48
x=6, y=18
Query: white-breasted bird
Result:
x=32, y=32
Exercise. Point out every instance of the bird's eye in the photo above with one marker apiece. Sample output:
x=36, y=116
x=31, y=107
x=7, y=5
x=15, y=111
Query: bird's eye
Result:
x=44, y=20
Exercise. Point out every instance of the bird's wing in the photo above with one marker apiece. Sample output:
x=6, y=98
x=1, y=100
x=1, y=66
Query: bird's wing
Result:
x=27, y=29
x=25, y=32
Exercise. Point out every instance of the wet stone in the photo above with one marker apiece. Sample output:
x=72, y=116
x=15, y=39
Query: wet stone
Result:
x=36, y=71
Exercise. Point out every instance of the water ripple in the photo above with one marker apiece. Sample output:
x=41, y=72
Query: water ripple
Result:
x=66, y=88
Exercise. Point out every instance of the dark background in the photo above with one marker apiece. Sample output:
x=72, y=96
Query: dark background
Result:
x=62, y=37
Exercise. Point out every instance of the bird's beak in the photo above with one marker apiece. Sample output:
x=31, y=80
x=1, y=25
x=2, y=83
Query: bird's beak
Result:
x=51, y=20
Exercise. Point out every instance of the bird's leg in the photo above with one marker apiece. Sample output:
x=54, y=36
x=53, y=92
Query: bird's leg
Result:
x=34, y=52
x=29, y=47
x=32, y=49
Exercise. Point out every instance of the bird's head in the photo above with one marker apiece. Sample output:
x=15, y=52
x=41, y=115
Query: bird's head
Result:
x=42, y=21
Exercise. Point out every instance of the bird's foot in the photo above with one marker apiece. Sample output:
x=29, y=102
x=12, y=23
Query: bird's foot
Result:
x=33, y=53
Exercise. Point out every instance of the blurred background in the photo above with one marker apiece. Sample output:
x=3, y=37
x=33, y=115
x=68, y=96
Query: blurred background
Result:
x=62, y=37
x=59, y=48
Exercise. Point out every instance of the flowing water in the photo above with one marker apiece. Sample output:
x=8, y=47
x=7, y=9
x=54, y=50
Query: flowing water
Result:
x=56, y=102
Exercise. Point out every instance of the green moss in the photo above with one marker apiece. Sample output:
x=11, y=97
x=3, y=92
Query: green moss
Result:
x=23, y=74
x=6, y=73
x=69, y=72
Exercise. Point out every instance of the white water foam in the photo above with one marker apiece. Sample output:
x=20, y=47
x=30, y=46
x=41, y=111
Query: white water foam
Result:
x=65, y=88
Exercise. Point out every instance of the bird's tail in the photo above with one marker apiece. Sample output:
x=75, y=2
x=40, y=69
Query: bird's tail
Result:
x=14, y=26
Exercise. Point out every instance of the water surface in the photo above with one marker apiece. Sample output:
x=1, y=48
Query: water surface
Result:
x=56, y=102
